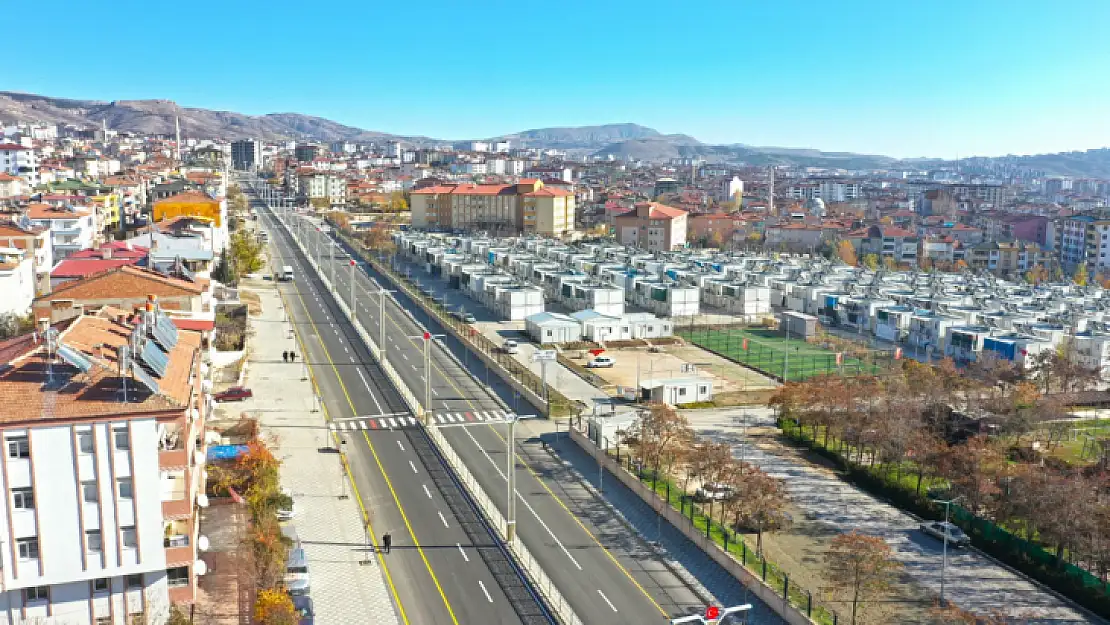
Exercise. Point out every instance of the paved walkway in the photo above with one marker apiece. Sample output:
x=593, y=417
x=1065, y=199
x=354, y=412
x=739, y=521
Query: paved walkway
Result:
x=328, y=521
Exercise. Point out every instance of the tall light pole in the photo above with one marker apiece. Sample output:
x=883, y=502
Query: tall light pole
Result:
x=353, y=309
x=944, y=558
x=427, y=338
x=381, y=318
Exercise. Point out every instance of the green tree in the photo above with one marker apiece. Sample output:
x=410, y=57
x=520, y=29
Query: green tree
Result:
x=224, y=272
x=12, y=324
x=871, y=261
x=1080, y=277
x=246, y=253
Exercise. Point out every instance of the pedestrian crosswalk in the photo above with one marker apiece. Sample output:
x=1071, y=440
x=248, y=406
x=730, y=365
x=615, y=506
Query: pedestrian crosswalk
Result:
x=390, y=422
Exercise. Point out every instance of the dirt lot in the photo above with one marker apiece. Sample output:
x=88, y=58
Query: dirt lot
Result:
x=732, y=383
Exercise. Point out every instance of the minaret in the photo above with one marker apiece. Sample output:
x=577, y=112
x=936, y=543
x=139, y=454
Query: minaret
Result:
x=771, y=193
x=177, y=131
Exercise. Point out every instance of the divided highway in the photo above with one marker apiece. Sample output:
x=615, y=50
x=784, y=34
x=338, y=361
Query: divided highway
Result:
x=603, y=574
x=446, y=567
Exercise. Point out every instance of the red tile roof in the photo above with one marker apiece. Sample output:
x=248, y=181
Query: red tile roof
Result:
x=46, y=211
x=546, y=192
x=196, y=325
x=83, y=267
x=12, y=146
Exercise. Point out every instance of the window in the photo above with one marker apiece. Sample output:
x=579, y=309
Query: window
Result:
x=19, y=447
x=130, y=537
x=703, y=389
x=23, y=498
x=681, y=391
x=89, y=492
x=36, y=593
x=28, y=548
x=85, y=442
x=133, y=581
x=100, y=584
x=123, y=438
x=177, y=576
x=124, y=484
x=103, y=620
x=93, y=540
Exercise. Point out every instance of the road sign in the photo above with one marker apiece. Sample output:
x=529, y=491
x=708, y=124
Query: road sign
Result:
x=427, y=336
x=712, y=612
x=544, y=355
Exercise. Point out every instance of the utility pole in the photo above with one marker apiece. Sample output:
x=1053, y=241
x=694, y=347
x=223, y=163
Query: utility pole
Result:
x=510, y=506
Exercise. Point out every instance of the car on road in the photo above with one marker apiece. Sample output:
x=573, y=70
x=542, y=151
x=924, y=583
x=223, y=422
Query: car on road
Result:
x=713, y=492
x=235, y=393
x=940, y=529
x=296, y=573
x=302, y=605
x=464, y=316
x=510, y=346
x=600, y=362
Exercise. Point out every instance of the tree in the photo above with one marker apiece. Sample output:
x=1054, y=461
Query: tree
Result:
x=716, y=239
x=379, y=240
x=862, y=567
x=12, y=324
x=274, y=607
x=847, y=253
x=757, y=501
x=397, y=202
x=1080, y=276
x=246, y=253
x=320, y=203
x=871, y=261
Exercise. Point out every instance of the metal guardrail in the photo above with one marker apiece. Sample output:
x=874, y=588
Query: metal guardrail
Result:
x=555, y=600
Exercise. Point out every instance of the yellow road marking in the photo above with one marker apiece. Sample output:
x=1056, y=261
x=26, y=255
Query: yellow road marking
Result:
x=608, y=553
x=389, y=483
x=350, y=476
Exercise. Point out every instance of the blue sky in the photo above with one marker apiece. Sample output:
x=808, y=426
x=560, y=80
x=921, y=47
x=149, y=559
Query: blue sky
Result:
x=892, y=77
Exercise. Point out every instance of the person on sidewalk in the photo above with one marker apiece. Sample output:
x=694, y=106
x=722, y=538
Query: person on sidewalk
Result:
x=292, y=356
x=285, y=356
x=387, y=542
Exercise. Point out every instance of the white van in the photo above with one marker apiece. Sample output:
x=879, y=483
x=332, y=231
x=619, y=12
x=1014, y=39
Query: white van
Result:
x=287, y=273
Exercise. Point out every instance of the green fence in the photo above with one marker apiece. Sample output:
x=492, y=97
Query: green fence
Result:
x=788, y=359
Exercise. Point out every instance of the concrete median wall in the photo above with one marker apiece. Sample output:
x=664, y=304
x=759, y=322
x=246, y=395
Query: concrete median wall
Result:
x=758, y=587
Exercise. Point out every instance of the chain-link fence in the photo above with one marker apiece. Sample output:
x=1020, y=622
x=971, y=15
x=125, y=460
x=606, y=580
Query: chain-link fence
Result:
x=789, y=359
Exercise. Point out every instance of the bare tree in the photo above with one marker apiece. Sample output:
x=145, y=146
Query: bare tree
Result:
x=861, y=567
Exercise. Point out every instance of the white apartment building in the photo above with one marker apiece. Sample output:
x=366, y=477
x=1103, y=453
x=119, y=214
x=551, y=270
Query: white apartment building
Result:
x=21, y=161
x=17, y=280
x=99, y=513
x=829, y=190
x=323, y=186
x=71, y=229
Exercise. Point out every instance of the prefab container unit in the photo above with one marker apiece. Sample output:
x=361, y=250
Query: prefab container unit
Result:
x=859, y=312
x=964, y=343
x=892, y=323
x=647, y=326
x=1091, y=349
x=798, y=325
x=677, y=391
x=1020, y=349
x=605, y=300
x=549, y=327
x=929, y=330
x=516, y=303
x=600, y=328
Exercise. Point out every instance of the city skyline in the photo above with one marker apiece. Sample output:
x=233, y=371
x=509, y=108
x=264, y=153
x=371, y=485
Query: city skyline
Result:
x=967, y=81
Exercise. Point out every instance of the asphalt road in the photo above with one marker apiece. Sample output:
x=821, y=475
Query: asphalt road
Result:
x=599, y=570
x=445, y=567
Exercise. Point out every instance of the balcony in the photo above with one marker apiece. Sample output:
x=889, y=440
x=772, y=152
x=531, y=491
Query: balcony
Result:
x=171, y=447
x=178, y=541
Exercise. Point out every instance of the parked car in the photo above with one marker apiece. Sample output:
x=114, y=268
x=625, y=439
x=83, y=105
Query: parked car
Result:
x=510, y=346
x=600, y=362
x=713, y=492
x=303, y=607
x=287, y=513
x=938, y=530
x=296, y=573
x=235, y=393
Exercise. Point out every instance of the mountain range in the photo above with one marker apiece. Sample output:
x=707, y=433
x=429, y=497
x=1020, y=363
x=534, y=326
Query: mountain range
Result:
x=623, y=141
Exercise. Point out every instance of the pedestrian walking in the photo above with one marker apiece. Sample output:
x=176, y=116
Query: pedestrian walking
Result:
x=387, y=542
x=285, y=356
x=292, y=356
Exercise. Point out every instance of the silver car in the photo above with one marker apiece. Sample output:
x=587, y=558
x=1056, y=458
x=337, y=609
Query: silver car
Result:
x=941, y=529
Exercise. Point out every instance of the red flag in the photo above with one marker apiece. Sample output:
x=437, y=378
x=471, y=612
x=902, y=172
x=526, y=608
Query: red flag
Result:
x=745, y=344
x=898, y=353
x=236, y=497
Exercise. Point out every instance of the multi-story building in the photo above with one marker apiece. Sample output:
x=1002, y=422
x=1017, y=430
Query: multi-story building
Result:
x=827, y=189
x=71, y=228
x=323, y=186
x=527, y=206
x=21, y=161
x=12, y=186
x=17, y=280
x=1084, y=239
x=306, y=152
x=246, y=154
x=652, y=226
x=892, y=242
x=198, y=205
x=22, y=234
x=102, y=470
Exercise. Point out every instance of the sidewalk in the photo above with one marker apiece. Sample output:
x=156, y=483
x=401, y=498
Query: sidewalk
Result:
x=330, y=528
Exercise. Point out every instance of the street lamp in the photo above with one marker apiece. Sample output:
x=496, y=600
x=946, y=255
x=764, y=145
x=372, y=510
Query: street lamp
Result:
x=381, y=319
x=944, y=558
x=427, y=338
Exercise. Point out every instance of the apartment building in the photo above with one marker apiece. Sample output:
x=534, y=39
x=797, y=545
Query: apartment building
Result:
x=323, y=186
x=1084, y=239
x=19, y=160
x=102, y=470
x=527, y=206
x=24, y=235
x=827, y=189
x=246, y=154
x=652, y=226
x=71, y=228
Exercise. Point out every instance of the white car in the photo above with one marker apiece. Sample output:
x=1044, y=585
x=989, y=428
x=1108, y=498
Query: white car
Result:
x=510, y=346
x=938, y=530
x=600, y=362
x=713, y=492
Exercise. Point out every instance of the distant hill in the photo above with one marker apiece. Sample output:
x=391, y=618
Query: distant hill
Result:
x=624, y=141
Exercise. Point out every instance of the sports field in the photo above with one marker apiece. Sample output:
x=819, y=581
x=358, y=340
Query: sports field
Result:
x=772, y=353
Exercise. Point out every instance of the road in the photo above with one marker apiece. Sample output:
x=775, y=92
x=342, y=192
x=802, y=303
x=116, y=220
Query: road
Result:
x=598, y=569
x=446, y=567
